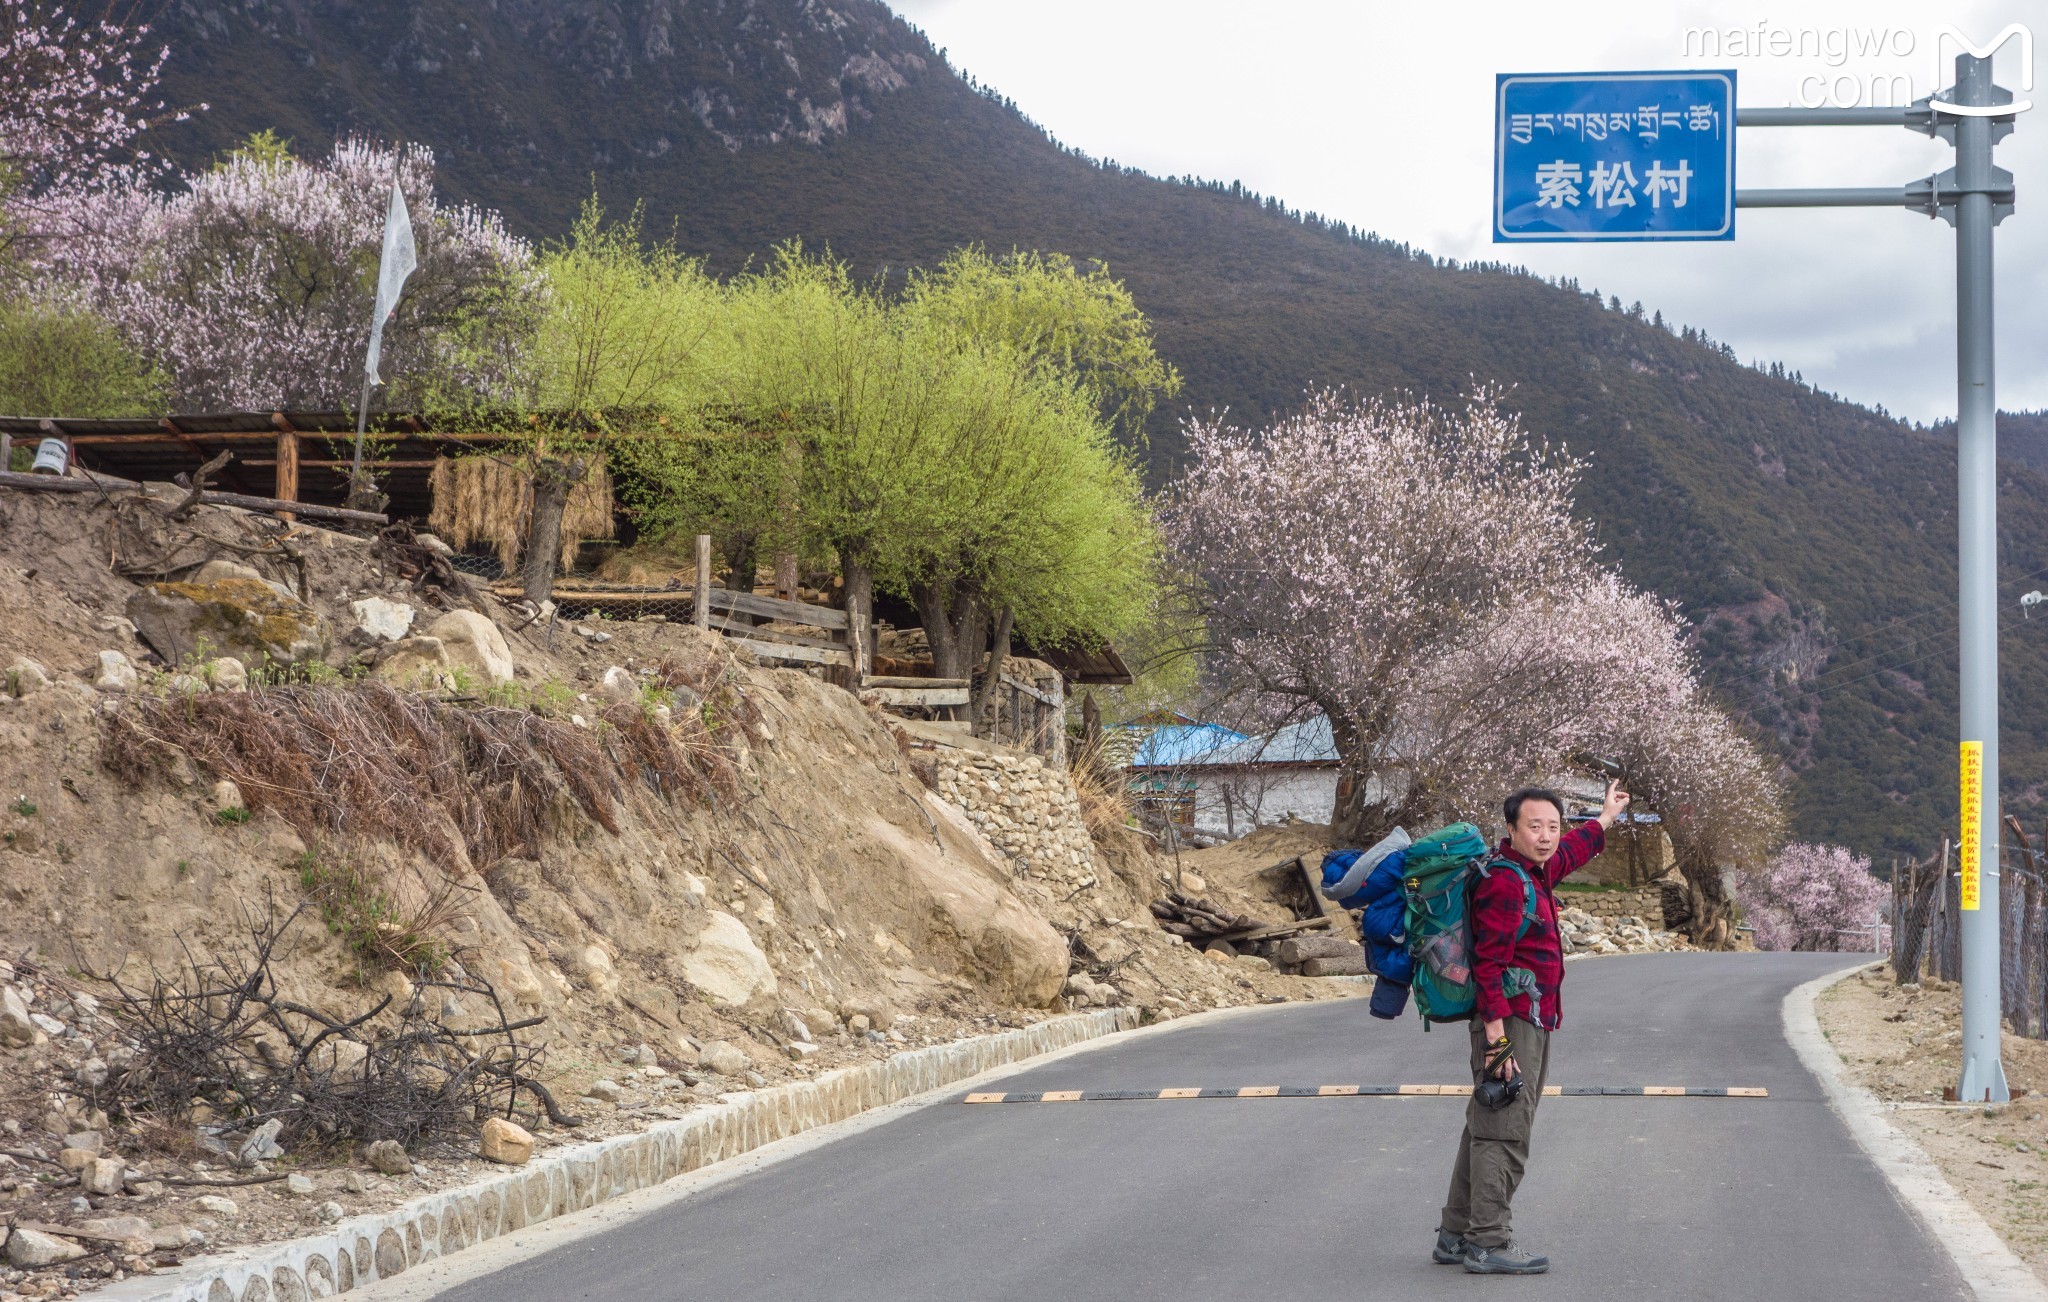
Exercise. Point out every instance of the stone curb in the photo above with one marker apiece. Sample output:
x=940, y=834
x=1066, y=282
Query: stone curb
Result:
x=380, y=1245
x=1993, y=1271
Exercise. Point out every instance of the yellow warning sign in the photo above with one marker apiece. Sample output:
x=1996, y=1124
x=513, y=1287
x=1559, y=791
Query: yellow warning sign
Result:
x=1972, y=826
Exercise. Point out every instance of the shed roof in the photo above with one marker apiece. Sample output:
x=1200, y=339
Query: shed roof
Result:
x=1306, y=743
x=1179, y=744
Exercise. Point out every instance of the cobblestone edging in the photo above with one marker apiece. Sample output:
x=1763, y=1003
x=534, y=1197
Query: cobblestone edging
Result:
x=1025, y=807
x=379, y=1245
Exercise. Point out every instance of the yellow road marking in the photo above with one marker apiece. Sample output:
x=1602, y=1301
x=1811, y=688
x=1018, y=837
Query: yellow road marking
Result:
x=985, y=1098
x=1663, y=1089
x=1180, y=1094
x=1060, y=1096
x=1327, y=1090
x=1258, y=1091
x=1747, y=1092
x=1422, y=1089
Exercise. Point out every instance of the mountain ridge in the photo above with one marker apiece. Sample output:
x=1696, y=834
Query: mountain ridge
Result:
x=1810, y=540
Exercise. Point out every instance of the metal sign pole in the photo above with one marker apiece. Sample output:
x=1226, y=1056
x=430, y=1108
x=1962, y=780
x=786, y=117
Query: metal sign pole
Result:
x=1974, y=195
x=1977, y=564
x=1590, y=156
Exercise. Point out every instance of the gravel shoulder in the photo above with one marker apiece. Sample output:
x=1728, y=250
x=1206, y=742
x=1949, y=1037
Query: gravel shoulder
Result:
x=1902, y=1043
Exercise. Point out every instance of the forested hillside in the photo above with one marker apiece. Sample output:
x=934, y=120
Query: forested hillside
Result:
x=1810, y=539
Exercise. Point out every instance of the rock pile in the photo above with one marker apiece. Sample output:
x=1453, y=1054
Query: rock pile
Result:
x=1586, y=933
x=1027, y=811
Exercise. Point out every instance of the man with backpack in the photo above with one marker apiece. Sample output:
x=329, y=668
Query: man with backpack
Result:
x=1517, y=966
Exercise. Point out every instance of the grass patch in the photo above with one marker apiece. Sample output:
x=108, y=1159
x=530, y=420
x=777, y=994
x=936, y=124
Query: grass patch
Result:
x=374, y=927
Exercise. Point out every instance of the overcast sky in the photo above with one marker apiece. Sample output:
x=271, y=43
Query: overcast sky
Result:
x=1381, y=114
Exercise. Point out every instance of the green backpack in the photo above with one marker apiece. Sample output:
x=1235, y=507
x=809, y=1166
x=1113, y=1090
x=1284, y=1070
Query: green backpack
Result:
x=1437, y=878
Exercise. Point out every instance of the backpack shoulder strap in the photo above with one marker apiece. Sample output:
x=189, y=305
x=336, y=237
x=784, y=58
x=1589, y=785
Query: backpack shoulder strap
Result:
x=1529, y=914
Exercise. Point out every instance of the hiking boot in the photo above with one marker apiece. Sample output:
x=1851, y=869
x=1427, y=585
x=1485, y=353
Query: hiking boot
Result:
x=1507, y=1259
x=1450, y=1248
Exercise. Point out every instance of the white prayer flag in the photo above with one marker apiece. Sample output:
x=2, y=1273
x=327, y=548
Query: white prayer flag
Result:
x=399, y=259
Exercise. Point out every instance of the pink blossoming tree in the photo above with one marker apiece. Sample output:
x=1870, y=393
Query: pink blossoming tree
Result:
x=253, y=286
x=1813, y=897
x=75, y=98
x=1415, y=573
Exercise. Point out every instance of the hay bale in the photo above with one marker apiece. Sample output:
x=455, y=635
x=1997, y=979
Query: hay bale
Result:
x=489, y=499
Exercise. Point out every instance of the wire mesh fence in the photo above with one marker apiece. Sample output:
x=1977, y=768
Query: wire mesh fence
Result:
x=483, y=567
x=1927, y=930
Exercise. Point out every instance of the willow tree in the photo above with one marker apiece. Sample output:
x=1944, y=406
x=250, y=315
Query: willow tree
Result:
x=1076, y=325
x=944, y=460
x=1052, y=542
x=620, y=340
x=1046, y=532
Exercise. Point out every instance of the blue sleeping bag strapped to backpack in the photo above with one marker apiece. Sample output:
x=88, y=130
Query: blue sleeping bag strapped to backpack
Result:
x=1371, y=880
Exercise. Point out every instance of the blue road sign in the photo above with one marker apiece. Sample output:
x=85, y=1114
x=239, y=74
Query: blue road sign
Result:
x=1614, y=156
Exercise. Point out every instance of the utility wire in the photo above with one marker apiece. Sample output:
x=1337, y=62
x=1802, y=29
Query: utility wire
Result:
x=1952, y=621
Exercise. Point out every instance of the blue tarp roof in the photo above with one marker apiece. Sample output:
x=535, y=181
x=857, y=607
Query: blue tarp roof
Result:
x=1177, y=744
x=1307, y=742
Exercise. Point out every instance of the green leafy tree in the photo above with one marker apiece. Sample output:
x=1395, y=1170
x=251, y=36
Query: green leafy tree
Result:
x=941, y=460
x=1076, y=324
x=57, y=361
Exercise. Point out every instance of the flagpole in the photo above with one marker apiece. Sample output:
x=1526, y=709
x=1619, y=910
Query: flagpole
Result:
x=355, y=467
x=395, y=263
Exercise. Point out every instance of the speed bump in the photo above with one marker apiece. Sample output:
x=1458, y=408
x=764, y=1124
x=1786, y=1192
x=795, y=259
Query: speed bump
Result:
x=1367, y=1091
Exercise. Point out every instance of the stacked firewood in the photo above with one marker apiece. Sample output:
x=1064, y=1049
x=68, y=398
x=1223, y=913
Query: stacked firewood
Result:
x=1319, y=956
x=1197, y=919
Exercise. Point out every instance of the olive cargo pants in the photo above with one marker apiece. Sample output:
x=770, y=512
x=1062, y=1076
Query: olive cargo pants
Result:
x=1495, y=1146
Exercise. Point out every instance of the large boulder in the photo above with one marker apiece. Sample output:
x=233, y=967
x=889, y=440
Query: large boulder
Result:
x=380, y=620
x=963, y=908
x=33, y=1250
x=474, y=643
x=726, y=963
x=419, y=664
x=505, y=1141
x=216, y=570
x=15, y=1026
x=254, y=621
x=25, y=676
x=115, y=673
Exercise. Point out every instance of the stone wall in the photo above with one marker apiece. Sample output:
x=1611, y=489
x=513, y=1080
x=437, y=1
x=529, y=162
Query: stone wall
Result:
x=1646, y=904
x=1652, y=858
x=364, y=1249
x=1025, y=807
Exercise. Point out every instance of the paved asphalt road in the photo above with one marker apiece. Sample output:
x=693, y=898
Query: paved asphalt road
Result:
x=1306, y=1199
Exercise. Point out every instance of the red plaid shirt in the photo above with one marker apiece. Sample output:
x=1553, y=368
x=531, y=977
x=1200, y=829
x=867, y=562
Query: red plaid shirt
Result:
x=1497, y=906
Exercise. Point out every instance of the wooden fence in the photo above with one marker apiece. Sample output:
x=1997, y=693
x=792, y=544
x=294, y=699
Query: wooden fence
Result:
x=1032, y=717
x=1927, y=928
x=1029, y=715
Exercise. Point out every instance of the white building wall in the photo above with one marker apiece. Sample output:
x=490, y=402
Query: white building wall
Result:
x=1233, y=802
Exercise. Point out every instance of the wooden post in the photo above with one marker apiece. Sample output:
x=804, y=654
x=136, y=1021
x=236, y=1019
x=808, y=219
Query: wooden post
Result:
x=287, y=489
x=704, y=580
x=6, y=452
x=1059, y=723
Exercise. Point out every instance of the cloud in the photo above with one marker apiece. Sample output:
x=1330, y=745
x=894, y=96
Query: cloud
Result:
x=1380, y=115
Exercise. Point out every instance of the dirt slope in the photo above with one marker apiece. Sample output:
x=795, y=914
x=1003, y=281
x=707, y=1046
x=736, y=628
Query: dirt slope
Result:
x=785, y=887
